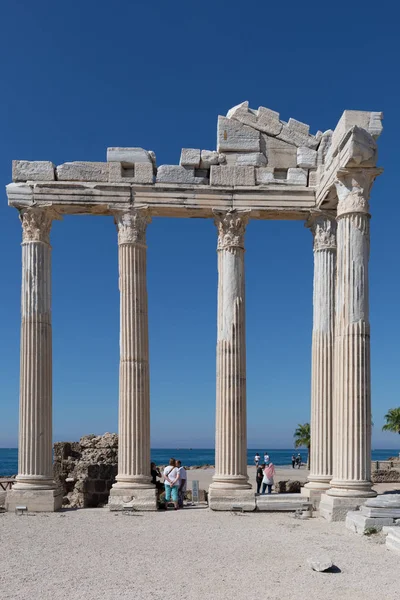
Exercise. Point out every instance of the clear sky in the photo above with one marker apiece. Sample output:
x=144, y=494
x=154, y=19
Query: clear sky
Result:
x=77, y=77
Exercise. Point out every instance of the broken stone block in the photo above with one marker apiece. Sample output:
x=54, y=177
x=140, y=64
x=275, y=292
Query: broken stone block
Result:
x=264, y=175
x=359, y=523
x=130, y=155
x=361, y=118
x=324, y=146
x=370, y=511
x=190, y=157
x=233, y=136
x=137, y=173
x=306, y=157
x=279, y=154
x=384, y=501
x=82, y=171
x=294, y=132
x=232, y=176
x=264, y=119
x=297, y=176
x=375, y=127
x=320, y=563
x=208, y=158
x=393, y=539
x=313, y=178
x=362, y=148
x=251, y=159
x=38, y=170
x=178, y=174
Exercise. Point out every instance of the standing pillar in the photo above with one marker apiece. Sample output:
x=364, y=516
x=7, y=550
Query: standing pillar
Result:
x=133, y=486
x=35, y=487
x=230, y=482
x=323, y=229
x=351, y=481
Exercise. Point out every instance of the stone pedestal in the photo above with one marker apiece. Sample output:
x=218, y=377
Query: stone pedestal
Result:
x=35, y=487
x=351, y=480
x=133, y=482
x=231, y=478
x=323, y=228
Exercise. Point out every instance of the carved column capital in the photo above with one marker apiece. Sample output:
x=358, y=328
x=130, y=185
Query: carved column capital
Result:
x=353, y=187
x=323, y=228
x=36, y=224
x=231, y=228
x=131, y=225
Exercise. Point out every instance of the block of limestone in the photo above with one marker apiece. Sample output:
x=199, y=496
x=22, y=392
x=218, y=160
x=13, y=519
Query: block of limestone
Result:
x=130, y=155
x=265, y=175
x=178, y=174
x=360, y=524
x=137, y=173
x=371, y=121
x=297, y=133
x=190, y=157
x=35, y=170
x=232, y=176
x=246, y=159
x=280, y=154
x=233, y=136
x=208, y=158
x=82, y=171
x=306, y=157
x=263, y=119
x=297, y=176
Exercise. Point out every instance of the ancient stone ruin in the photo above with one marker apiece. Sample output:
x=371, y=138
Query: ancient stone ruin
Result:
x=86, y=470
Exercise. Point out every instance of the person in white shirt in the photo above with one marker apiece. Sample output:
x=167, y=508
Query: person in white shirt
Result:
x=182, y=483
x=171, y=482
x=266, y=458
x=257, y=459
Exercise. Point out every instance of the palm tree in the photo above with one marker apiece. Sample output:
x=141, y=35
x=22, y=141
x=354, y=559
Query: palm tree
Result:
x=392, y=420
x=302, y=439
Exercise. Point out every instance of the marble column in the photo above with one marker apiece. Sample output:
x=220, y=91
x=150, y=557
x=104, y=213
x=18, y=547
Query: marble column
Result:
x=35, y=487
x=351, y=480
x=231, y=435
x=133, y=485
x=323, y=228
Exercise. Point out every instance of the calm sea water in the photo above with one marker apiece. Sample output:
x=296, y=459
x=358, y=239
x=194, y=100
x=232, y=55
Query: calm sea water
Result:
x=9, y=457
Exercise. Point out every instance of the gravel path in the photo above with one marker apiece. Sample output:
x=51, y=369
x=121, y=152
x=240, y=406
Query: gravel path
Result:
x=189, y=554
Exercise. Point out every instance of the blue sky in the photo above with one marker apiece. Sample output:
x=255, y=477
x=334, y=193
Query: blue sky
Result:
x=80, y=76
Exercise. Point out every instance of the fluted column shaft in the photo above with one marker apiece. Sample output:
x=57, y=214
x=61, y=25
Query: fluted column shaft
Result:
x=352, y=384
x=324, y=232
x=231, y=434
x=35, y=462
x=134, y=384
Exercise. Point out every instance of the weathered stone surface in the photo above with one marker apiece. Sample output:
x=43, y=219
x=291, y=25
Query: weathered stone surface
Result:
x=393, y=539
x=178, y=174
x=82, y=171
x=232, y=176
x=375, y=127
x=335, y=508
x=227, y=499
x=137, y=173
x=264, y=119
x=264, y=175
x=312, y=177
x=361, y=118
x=208, y=158
x=323, y=148
x=306, y=157
x=133, y=499
x=190, y=157
x=384, y=501
x=233, y=136
x=280, y=154
x=296, y=133
x=130, y=155
x=34, y=500
x=297, y=177
x=362, y=148
x=282, y=502
x=359, y=523
x=320, y=563
x=370, y=511
x=26, y=170
x=251, y=159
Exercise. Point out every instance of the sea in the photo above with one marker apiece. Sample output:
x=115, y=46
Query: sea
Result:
x=193, y=456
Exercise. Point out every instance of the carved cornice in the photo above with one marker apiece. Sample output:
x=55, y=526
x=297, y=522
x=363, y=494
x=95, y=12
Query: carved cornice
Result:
x=131, y=225
x=36, y=224
x=231, y=228
x=353, y=187
x=323, y=228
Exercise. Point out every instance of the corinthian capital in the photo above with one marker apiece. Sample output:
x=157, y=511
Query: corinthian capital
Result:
x=323, y=228
x=353, y=187
x=131, y=225
x=231, y=228
x=36, y=224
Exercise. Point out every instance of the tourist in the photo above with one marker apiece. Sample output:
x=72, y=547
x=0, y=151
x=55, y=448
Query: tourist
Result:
x=257, y=459
x=268, y=478
x=293, y=460
x=259, y=477
x=182, y=483
x=171, y=482
x=266, y=457
x=298, y=460
x=155, y=472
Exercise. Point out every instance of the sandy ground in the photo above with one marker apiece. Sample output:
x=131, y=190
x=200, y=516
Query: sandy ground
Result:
x=204, y=476
x=189, y=554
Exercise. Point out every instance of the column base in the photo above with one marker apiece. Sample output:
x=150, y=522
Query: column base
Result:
x=351, y=489
x=34, y=500
x=313, y=495
x=335, y=508
x=227, y=499
x=230, y=482
x=132, y=499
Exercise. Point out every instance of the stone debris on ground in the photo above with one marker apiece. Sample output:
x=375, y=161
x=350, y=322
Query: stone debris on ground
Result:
x=320, y=563
x=374, y=514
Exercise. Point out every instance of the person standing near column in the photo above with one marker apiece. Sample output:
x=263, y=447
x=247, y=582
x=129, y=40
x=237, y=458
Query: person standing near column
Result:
x=182, y=483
